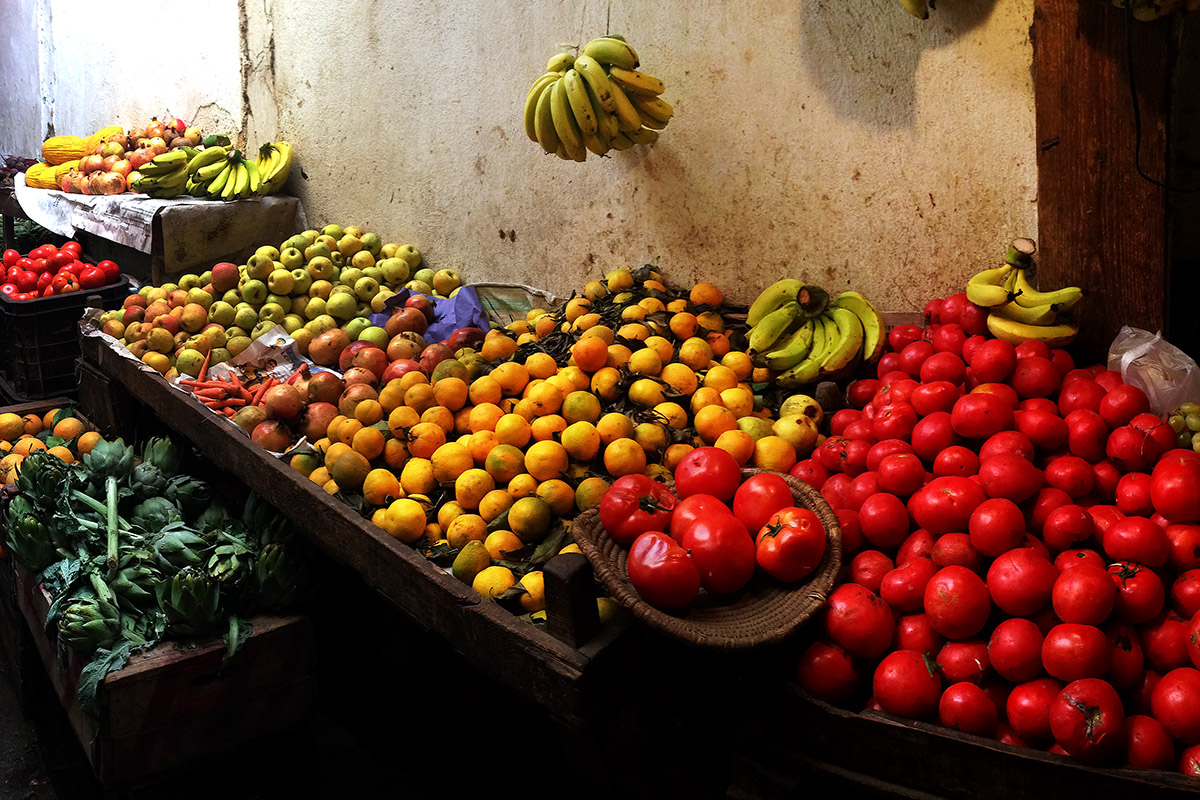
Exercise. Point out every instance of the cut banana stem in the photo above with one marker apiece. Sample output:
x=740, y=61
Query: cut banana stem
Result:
x=1020, y=252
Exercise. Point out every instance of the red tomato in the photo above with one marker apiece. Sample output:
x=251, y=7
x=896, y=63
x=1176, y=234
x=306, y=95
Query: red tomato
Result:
x=75, y=248
x=27, y=281
x=24, y=263
x=1128, y=667
x=828, y=673
x=919, y=544
x=1185, y=594
x=894, y=421
x=759, y=497
x=933, y=434
x=996, y=527
x=1088, y=721
x=843, y=419
x=944, y=366
x=1007, y=443
x=852, y=538
x=1041, y=405
x=1033, y=348
x=1138, y=700
x=11, y=257
x=859, y=621
x=1185, y=547
x=974, y=321
x=1006, y=735
x=1070, y=559
x=1140, y=593
x=59, y=260
x=956, y=462
x=690, y=509
x=945, y=505
x=1067, y=526
x=1137, y=539
x=859, y=430
x=1029, y=709
x=833, y=489
x=1175, y=702
x=1087, y=435
x=978, y=416
x=913, y=632
x=1010, y=476
x=968, y=708
x=907, y=684
x=901, y=336
x=956, y=601
x=810, y=472
x=883, y=518
x=993, y=361
x=1158, y=428
x=885, y=448
x=830, y=454
x=661, y=571
x=1015, y=650
x=868, y=568
x=1122, y=404
x=708, y=470
x=1147, y=743
x=901, y=474
x=1072, y=651
x=859, y=393
x=1175, y=487
x=859, y=490
x=855, y=462
x=949, y=338
x=952, y=308
x=956, y=550
x=92, y=278
x=1131, y=450
x=723, y=552
x=1106, y=479
x=888, y=364
x=1035, y=377
x=1165, y=641
x=1105, y=517
x=913, y=356
x=1083, y=394
x=1071, y=474
x=9, y=290
x=633, y=505
x=791, y=544
x=1085, y=594
x=935, y=396
x=110, y=269
x=964, y=661
x=1021, y=582
x=1001, y=390
x=903, y=588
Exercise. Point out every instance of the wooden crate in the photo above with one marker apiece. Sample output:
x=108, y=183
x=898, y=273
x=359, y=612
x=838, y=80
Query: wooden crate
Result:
x=177, y=703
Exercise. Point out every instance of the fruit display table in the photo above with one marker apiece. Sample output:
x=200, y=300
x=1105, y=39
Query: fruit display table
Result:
x=179, y=234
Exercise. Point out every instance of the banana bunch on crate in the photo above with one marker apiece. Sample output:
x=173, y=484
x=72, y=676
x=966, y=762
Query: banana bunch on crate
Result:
x=1018, y=312
x=797, y=331
x=221, y=172
x=595, y=101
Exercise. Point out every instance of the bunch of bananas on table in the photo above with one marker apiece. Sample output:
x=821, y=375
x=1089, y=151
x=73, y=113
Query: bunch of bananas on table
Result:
x=164, y=176
x=797, y=331
x=1018, y=312
x=595, y=101
x=221, y=172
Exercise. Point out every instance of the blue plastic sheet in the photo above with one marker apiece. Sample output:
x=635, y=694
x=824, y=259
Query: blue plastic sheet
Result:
x=464, y=310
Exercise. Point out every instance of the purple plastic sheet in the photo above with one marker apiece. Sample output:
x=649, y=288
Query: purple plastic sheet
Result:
x=464, y=310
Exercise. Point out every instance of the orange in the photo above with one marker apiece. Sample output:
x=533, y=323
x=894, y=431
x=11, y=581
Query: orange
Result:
x=48, y=419
x=576, y=308
x=513, y=429
x=545, y=428
x=447, y=513
x=594, y=290
x=368, y=412
x=494, y=503
x=545, y=460
x=484, y=417
x=581, y=406
x=561, y=382
x=590, y=353
x=540, y=365
x=634, y=312
x=381, y=487
x=575, y=377
x=738, y=400
x=704, y=397
x=335, y=452
x=705, y=294
x=651, y=436
x=466, y=528
x=10, y=463
x=619, y=279
x=424, y=439
x=673, y=414
x=405, y=520
x=710, y=321
x=411, y=379
x=624, y=457
x=696, y=353
x=654, y=284
x=634, y=330
x=589, y=491
x=451, y=460
x=369, y=442
x=497, y=346
x=5, y=446
x=675, y=453
x=719, y=342
x=618, y=356
x=601, y=332
x=526, y=338
x=662, y=346
x=652, y=305
x=440, y=416
x=712, y=421
x=738, y=444
x=512, y=378
x=683, y=325
x=581, y=441
x=331, y=487
x=720, y=378
x=485, y=389
x=419, y=397
x=350, y=470
x=500, y=543
x=347, y=430
x=530, y=518
x=558, y=495
x=612, y=426
x=471, y=486
x=462, y=420
x=395, y=453
x=522, y=485
x=62, y=453
x=607, y=383
x=645, y=362
x=27, y=445
x=480, y=444
x=586, y=322
x=547, y=399
x=391, y=396
x=417, y=476
x=494, y=581
x=33, y=424
x=319, y=476
x=675, y=306
x=740, y=363
x=545, y=325
x=774, y=452
x=679, y=377
x=400, y=419
x=451, y=393
x=646, y=392
x=86, y=442
x=68, y=428
x=523, y=408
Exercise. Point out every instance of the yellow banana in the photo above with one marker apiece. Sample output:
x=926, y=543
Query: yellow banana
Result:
x=560, y=63
x=1030, y=297
x=650, y=122
x=217, y=184
x=627, y=116
x=620, y=142
x=564, y=122
x=544, y=122
x=657, y=108
x=612, y=52
x=1038, y=315
x=255, y=181
x=987, y=288
x=578, y=102
x=531, y=100
x=1018, y=332
x=874, y=328
x=593, y=73
x=636, y=82
x=642, y=136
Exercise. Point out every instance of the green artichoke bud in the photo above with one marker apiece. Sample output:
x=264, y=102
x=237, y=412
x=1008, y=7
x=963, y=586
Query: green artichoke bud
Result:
x=20, y=506
x=179, y=548
x=147, y=480
x=154, y=514
x=110, y=459
x=89, y=624
x=163, y=454
x=283, y=578
x=30, y=542
x=215, y=517
x=135, y=582
x=190, y=494
x=42, y=476
x=190, y=600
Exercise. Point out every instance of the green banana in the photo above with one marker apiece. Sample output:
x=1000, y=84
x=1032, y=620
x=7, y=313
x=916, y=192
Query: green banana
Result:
x=806, y=371
x=792, y=351
x=850, y=335
x=612, y=52
x=210, y=155
x=593, y=73
x=579, y=104
x=771, y=327
x=874, y=328
x=774, y=296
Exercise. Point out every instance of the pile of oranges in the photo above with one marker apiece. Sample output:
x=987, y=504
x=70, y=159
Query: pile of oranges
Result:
x=57, y=431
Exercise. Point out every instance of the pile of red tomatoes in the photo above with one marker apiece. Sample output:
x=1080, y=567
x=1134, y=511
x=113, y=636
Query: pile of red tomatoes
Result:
x=50, y=270
x=1023, y=548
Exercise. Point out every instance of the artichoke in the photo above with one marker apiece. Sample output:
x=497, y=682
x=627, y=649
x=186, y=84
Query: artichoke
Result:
x=190, y=600
x=190, y=494
x=147, y=480
x=232, y=566
x=162, y=454
x=41, y=478
x=215, y=517
x=282, y=577
x=90, y=623
x=109, y=459
x=178, y=548
x=30, y=542
x=154, y=514
x=135, y=582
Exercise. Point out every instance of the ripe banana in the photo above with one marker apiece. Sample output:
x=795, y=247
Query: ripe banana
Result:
x=217, y=184
x=564, y=123
x=874, y=329
x=655, y=107
x=849, y=342
x=209, y=155
x=1018, y=332
x=987, y=288
x=535, y=93
x=918, y=8
x=591, y=71
x=275, y=179
x=773, y=297
x=636, y=82
x=210, y=171
x=1029, y=297
x=650, y=122
x=578, y=102
x=612, y=52
x=560, y=63
x=1038, y=315
x=255, y=178
x=771, y=327
x=620, y=142
x=792, y=351
x=543, y=122
x=643, y=136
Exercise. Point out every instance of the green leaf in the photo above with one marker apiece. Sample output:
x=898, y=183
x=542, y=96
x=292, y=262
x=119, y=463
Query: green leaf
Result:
x=239, y=631
x=93, y=674
x=550, y=546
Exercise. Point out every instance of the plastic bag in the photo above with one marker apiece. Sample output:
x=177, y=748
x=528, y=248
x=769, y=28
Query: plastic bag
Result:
x=1167, y=375
x=464, y=310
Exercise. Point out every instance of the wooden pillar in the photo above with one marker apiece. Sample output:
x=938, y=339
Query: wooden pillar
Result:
x=1100, y=224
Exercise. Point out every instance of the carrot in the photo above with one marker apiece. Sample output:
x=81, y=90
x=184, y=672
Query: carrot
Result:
x=227, y=412
x=204, y=367
x=204, y=385
x=232, y=402
x=258, y=394
x=214, y=393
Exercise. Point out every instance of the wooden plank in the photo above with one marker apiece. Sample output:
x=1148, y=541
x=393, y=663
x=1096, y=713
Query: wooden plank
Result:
x=1100, y=225
x=528, y=659
x=1183, y=206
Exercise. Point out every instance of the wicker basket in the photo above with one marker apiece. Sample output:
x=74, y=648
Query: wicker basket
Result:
x=764, y=612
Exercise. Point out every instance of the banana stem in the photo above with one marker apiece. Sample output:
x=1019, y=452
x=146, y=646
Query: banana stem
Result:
x=1020, y=252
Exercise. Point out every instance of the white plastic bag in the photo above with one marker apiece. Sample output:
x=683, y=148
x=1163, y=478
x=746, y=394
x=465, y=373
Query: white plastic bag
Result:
x=1167, y=375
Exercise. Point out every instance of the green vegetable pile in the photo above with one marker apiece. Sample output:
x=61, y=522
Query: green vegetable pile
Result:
x=131, y=553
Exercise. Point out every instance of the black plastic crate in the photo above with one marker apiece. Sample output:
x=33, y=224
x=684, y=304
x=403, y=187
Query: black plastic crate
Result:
x=39, y=340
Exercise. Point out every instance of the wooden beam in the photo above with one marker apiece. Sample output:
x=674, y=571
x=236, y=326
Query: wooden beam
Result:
x=1100, y=224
